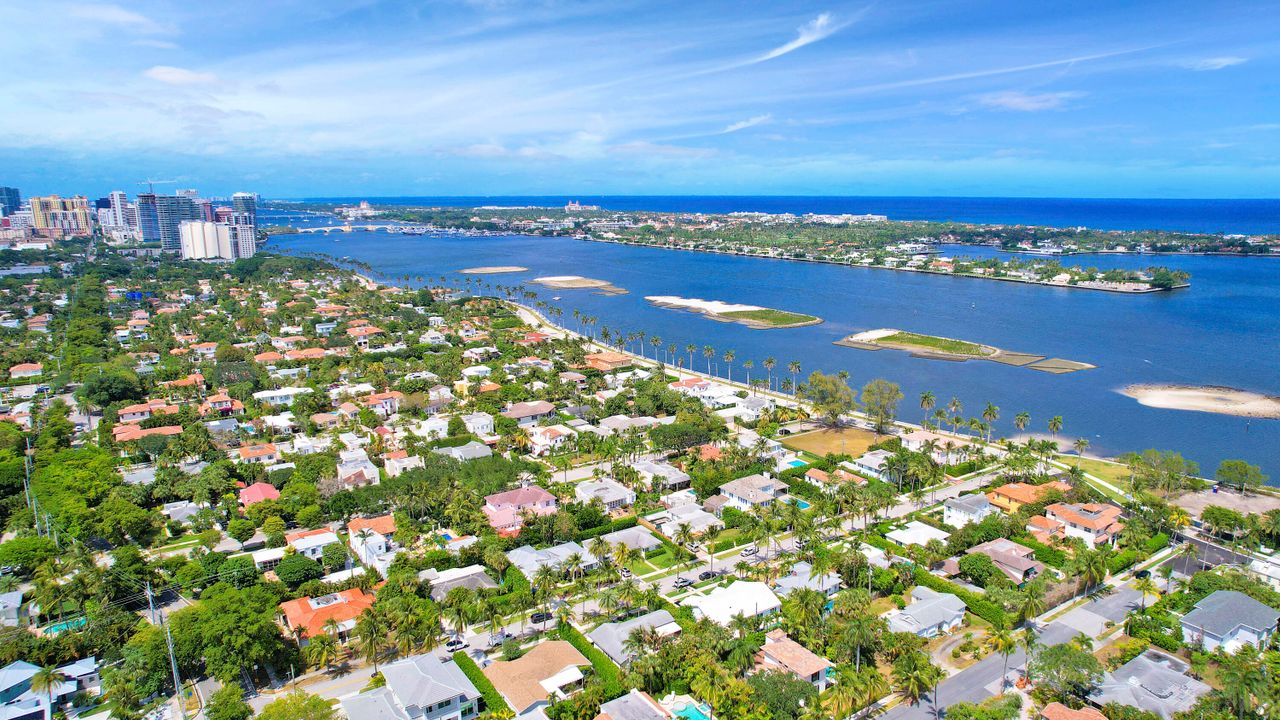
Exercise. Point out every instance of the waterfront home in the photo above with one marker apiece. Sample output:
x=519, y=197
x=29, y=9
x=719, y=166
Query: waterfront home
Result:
x=306, y=617
x=505, y=509
x=550, y=671
x=636, y=537
x=1229, y=619
x=873, y=463
x=669, y=521
x=472, y=577
x=752, y=491
x=1094, y=523
x=960, y=511
x=530, y=559
x=660, y=475
x=721, y=605
x=607, y=361
x=1011, y=497
x=371, y=541
x=780, y=652
x=529, y=413
x=612, y=494
x=423, y=687
x=311, y=543
x=612, y=637
x=946, y=448
x=635, y=705
x=1152, y=681
x=930, y=613
x=258, y=492
x=802, y=576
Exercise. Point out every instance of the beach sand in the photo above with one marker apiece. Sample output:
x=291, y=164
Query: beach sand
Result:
x=716, y=310
x=1219, y=400
x=577, y=282
x=493, y=270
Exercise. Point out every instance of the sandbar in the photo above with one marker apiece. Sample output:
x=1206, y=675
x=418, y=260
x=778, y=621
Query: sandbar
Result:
x=932, y=347
x=493, y=270
x=753, y=316
x=1206, y=398
x=574, y=282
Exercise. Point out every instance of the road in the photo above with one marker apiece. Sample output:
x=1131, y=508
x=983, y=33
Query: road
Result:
x=1208, y=555
x=982, y=679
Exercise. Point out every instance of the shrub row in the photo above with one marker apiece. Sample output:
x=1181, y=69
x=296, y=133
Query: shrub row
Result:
x=492, y=699
x=604, y=667
x=616, y=525
x=977, y=604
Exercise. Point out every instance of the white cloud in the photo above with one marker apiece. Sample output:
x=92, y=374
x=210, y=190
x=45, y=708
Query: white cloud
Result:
x=115, y=15
x=819, y=28
x=170, y=75
x=1027, y=102
x=158, y=44
x=1214, y=63
x=744, y=124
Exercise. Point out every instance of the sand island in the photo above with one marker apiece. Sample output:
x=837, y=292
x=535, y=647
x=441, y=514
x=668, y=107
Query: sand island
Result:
x=493, y=270
x=576, y=282
x=753, y=316
x=1202, y=398
x=933, y=347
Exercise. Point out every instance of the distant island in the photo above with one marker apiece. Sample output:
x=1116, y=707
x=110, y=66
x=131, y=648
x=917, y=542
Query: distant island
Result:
x=753, y=316
x=933, y=347
x=872, y=241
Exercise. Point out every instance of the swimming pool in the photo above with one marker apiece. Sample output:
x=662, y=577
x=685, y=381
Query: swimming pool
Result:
x=695, y=711
x=446, y=536
x=802, y=504
x=797, y=463
x=56, y=628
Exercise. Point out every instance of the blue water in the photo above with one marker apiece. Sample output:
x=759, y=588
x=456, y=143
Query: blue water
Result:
x=802, y=504
x=797, y=463
x=1225, y=330
x=1211, y=216
x=694, y=711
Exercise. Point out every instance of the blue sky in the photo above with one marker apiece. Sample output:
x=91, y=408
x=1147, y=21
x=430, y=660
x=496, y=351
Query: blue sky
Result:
x=897, y=97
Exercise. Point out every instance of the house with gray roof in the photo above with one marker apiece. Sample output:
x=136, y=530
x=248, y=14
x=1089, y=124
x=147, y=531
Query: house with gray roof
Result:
x=611, y=638
x=472, y=577
x=960, y=511
x=471, y=451
x=661, y=475
x=930, y=613
x=530, y=560
x=611, y=493
x=421, y=687
x=1228, y=619
x=1153, y=682
x=636, y=537
x=635, y=705
x=802, y=577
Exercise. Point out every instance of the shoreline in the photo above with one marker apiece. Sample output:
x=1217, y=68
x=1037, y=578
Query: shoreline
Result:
x=1213, y=399
x=718, y=311
x=874, y=340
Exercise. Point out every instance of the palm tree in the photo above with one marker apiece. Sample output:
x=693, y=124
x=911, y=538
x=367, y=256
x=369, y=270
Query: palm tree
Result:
x=728, y=362
x=1032, y=602
x=927, y=402
x=1055, y=425
x=769, y=364
x=1021, y=420
x=990, y=414
x=708, y=352
x=1030, y=645
x=747, y=365
x=372, y=633
x=1081, y=444
x=1002, y=641
x=46, y=680
x=914, y=674
x=321, y=651
x=1146, y=586
x=691, y=349
x=794, y=368
x=1242, y=679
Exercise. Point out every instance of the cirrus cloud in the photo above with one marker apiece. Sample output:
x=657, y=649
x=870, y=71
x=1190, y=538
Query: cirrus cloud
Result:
x=1214, y=63
x=170, y=75
x=1027, y=102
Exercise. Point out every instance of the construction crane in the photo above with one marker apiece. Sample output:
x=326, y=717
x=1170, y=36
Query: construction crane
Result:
x=152, y=183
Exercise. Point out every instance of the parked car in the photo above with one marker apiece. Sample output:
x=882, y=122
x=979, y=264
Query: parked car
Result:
x=707, y=574
x=455, y=645
x=540, y=617
x=694, y=547
x=801, y=543
x=683, y=582
x=749, y=550
x=624, y=572
x=499, y=637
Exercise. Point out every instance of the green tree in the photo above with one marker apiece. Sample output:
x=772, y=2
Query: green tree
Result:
x=295, y=569
x=46, y=680
x=1068, y=672
x=298, y=705
x=1240, y=475
x=830, y=396
x=880, y=399
x=228, y=704
x=784, y=694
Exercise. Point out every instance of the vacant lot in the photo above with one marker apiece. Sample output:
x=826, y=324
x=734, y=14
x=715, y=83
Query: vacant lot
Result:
x=1114, y=473
x=1195, y=503
x=849, y=441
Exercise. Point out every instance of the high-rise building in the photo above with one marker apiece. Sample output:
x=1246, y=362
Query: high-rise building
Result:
x=243, y=202
x=200, y=240
x=119, y=206
x=245, y=232
x=159, y=218
x=66, y=215
x=188, y=193
x=10, y=201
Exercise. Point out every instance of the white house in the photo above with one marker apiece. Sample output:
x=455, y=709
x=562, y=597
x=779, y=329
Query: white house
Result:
x=872, y=464
x=1229, y=619
x=751, y=491
x=960, y=511
x=280, y=397
x=782, y=653
x=748, y=598
x=613, y=494
x=930, y=613
x=479, y=423
x=311, y=543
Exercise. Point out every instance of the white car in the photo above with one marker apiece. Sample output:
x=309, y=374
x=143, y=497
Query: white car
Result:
x=749, y=550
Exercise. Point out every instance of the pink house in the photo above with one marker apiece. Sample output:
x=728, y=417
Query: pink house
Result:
x=504, y=508
x=258, y=492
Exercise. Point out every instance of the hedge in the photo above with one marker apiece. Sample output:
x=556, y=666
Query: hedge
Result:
x=1044, y=553
x=492, y=698
x=1158, y=542
x=616, y=525
x=1122, y=561
x=980, y=606
x=604, y=667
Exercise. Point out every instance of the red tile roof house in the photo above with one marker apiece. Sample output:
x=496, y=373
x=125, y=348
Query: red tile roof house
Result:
x=505, y=508
x=129, y=432
x=26, y=370
x=306, y=617
x=258, y=492
x=143, y=411
x=1094, y=523
x=385, y=404
x=221, y=403
x=780, y=652
x=265, y=454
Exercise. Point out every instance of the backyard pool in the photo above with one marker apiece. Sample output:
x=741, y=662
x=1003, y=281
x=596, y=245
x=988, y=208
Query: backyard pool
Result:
x=694, y=711
x=802, y=504
x=797, y=463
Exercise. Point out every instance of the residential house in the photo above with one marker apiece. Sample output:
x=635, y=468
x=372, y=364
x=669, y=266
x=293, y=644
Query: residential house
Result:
x=479, y=423
x=311, y=543
x=471, y=451
x=19, y=701
x=472, y=577
x=384, y=404
x=258, y=492
x=1229, y=620
x=530, y=560
x=550, y=671
x=529, y=413
x=265, y=454
x=752, y=491
x=280, y=397
x=873, y=464
x=635, y=705
x=26, y=370
x=636, y=537
x=917, y=533
x=802, y=576
x=371, y=539
x=721, y=605
x=504, y=509
x=1058, y=711
x=661, y=476
x=607, y=361
x=611, y=493
x=306, y=617
x=669, y=521
x=1152, y=681
x=1017, y=562
x=1094, y=523
x=355, y=469
x=612, y=637
x=780, y=652
x=960, y=511
x=421, y=687
x=399, y=461
x=930, y=613
x=547, y=440
x=1012, y=496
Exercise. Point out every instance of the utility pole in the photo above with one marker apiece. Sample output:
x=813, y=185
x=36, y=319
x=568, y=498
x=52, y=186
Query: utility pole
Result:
x=173, y=662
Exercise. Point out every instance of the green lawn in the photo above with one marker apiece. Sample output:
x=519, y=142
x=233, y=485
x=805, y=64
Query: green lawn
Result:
x=774, y=318
x=662, y=560
x=1114, y=473
x=930, y=342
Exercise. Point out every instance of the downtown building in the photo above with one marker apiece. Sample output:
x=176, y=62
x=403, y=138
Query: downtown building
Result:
x=160, y=218
x=10, y=201
x=204, y=240
x=57, y=216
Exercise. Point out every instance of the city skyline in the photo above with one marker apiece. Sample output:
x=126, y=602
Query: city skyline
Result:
x=498, y=98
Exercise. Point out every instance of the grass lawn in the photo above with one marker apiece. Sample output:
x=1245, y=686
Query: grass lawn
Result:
x=1114, y=473
x=851, y=441
x=931, y=342
x=881, y=605
x=662, y=560
x=774, y=318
